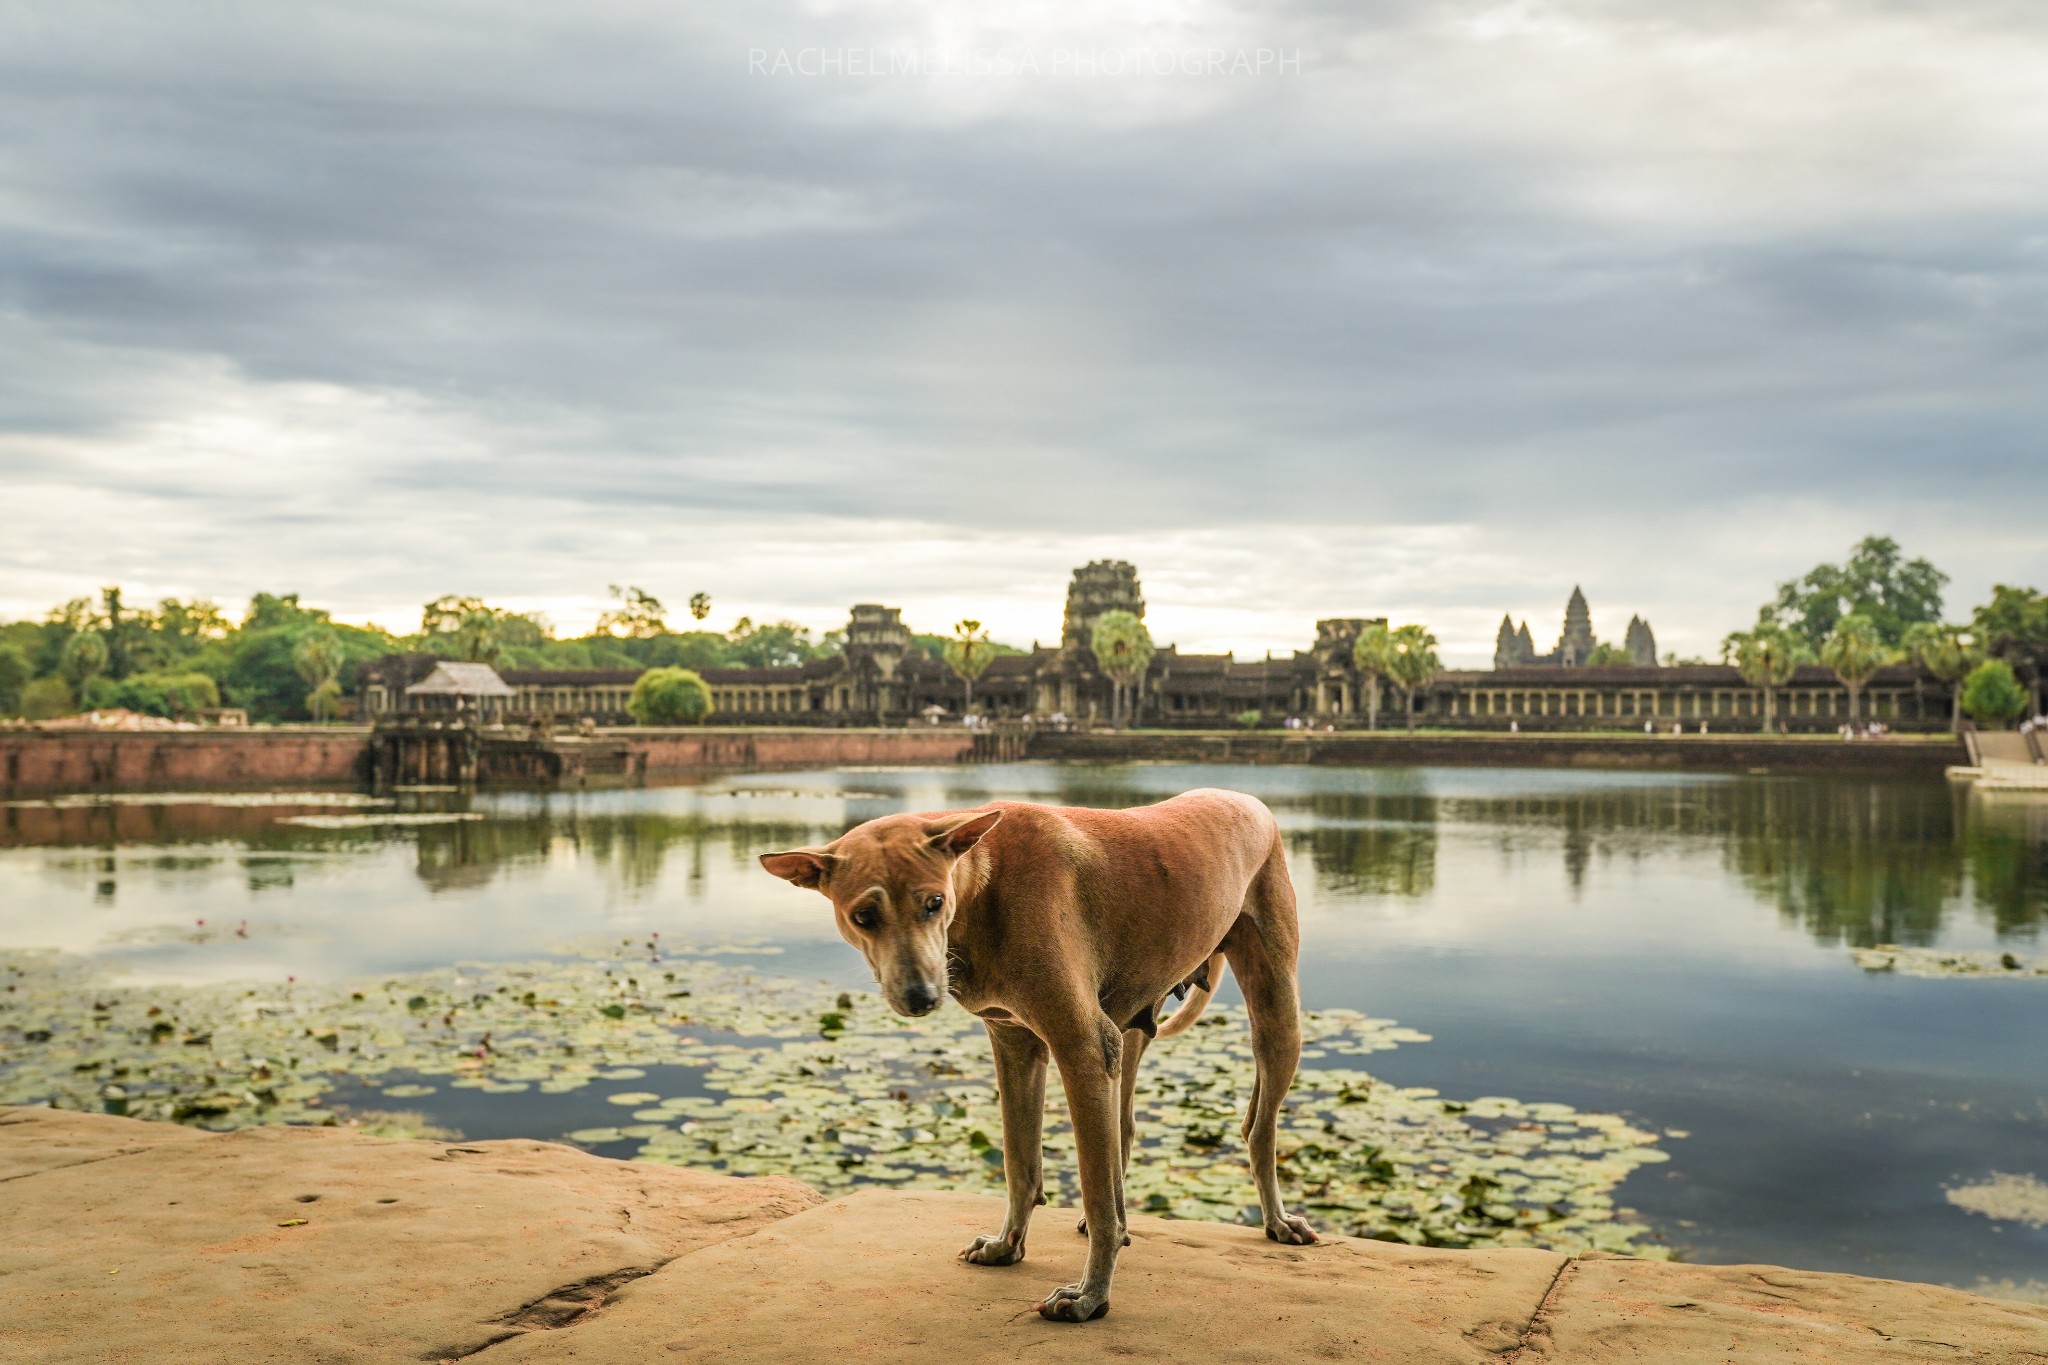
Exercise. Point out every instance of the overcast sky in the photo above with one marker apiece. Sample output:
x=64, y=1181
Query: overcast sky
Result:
x=1430, y=310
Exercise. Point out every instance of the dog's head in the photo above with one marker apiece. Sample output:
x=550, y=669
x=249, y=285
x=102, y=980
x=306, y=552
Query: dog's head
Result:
x=890, y=882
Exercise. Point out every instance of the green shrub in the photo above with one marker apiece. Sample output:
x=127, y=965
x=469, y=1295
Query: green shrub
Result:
x=190, y=693
x=179, y=696
x=99, y=694
x=14, y=675
x=1992, y=694
x=669, y=696
x=46, y=699
x=1250, y=719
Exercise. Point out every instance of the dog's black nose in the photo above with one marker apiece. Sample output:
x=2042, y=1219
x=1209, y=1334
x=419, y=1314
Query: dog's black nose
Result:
x=920, y=998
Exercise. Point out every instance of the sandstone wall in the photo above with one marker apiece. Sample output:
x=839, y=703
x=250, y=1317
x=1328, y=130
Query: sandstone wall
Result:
x=1897, y=755
x=33, y=761
x=675, y=751
x=46, y=762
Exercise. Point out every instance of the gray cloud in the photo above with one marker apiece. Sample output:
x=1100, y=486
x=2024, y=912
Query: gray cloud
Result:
x=383, y=301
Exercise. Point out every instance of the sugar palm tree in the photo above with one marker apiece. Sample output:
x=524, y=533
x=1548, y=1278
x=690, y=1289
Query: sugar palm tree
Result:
x=1412, y=663
x=1123, y=647
x=1943, y=651
x=1374, y=654
x=476, y=638
x=83, y=658
x=1854, y=650
x=1767, y=657
x=318, y=658
x=968, y=654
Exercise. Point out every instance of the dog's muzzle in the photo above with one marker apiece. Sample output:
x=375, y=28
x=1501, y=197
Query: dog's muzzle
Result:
x=920, y=998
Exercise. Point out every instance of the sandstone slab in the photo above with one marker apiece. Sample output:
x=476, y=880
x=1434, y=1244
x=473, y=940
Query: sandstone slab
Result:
x=873, y=1277
x=309, y=1244
x=128, y=1242
x=1608, y=1311
x=33, y=1140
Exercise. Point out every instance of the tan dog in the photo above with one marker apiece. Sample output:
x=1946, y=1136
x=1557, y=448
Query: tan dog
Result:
x=1065, y=929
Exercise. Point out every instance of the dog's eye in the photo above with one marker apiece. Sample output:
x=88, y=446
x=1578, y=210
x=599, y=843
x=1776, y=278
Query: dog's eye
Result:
x=933, y=904
x=863, y=918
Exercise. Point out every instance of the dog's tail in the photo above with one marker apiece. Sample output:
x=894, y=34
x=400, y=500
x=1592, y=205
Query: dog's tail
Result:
x=1201, y=986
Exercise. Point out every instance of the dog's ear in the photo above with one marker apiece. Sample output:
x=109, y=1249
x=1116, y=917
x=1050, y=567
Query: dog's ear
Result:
x=955, y=834
x=801, y=866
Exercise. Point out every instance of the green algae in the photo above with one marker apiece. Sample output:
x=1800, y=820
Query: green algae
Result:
x=799, y=1079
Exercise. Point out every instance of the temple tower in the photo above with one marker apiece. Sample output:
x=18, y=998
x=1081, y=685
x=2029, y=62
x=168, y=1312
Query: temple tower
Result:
x=1101, y=586
x=1511, y=647
x=1641, y=644
x=1575, y=646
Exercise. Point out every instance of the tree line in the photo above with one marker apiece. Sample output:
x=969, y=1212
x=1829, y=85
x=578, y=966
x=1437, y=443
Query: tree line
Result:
x=284, y=660
x=1877, y=608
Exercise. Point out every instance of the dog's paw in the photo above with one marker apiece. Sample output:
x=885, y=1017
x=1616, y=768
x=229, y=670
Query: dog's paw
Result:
x=1082, y=1228
x=997, y=1250
x=1293, y=1229
x=1073, y=1303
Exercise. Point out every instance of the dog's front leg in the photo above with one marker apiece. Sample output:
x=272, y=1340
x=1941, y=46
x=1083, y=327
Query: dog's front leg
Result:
x=1090, y=1073
x=1020, y=1085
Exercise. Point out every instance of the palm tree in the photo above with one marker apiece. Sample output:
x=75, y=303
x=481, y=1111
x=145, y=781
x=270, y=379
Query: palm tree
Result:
x=1943, y=651
x=318, y=657
x=1374, y=654
x=1412, y=663
x=83, y=658
x=476, y=638
x=968, y=654
x=1767, y=657
x=1123, y=647
x=1855, y=651
x=700, y=605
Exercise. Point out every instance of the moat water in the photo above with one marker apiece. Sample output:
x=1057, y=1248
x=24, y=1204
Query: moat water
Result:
x=1675, y=949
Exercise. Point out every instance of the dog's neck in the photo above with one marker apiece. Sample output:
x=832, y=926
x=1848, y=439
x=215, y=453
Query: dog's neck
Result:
x=971, y=875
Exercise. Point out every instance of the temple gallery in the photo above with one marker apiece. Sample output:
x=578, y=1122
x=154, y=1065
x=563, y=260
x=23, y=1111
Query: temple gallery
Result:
x=882, y=677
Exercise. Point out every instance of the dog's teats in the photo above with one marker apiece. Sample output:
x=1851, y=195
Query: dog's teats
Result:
x=893, y=898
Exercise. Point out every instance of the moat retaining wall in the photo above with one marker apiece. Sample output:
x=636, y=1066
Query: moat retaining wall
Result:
x=50, y=762
x=1917, y=755
x=35, y=762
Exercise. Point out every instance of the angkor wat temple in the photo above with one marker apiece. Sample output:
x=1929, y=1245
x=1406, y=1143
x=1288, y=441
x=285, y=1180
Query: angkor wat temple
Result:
x=881, y=677
x=1513, y=648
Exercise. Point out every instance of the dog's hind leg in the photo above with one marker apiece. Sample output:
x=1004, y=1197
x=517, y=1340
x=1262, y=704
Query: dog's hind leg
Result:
x=1262, y=947
x=1020, y=1085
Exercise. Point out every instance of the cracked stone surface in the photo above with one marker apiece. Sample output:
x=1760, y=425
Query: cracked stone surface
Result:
x=127, y=1242
x=873, y=1276
x=1607, y=1311
x=123, y=1241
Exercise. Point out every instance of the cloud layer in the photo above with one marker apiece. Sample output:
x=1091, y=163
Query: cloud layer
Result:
x=1472, y=303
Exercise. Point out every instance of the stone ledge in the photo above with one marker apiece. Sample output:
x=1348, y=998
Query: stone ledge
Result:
x=129, y=1242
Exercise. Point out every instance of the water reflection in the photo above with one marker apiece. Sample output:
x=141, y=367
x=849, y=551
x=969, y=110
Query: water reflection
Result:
x=1852, y=862
x=1370, y=843
x=1849, y=862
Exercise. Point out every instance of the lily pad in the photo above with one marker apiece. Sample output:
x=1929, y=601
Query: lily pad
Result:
x=878, y=1100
